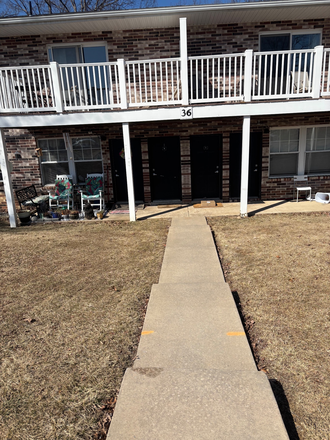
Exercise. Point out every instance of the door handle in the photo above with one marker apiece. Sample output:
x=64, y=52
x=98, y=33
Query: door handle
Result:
x=117, y=175
x=154, y=174
x=216, y=172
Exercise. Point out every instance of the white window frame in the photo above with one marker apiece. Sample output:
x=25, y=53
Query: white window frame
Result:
x=291, y=32
x=301, y=153
x=80, y=45
x=70, y=161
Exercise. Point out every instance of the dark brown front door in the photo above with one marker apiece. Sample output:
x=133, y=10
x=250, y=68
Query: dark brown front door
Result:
x=206, y=166
x=165, y=168
x=117, y=156
x=235, y=165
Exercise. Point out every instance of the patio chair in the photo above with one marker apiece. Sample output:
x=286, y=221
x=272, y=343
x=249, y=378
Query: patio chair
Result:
x=300, y=82
x=63, y=191
x=298, y=180
x=93, y=192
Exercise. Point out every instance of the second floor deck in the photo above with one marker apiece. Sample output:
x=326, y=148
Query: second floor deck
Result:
x=236, y=78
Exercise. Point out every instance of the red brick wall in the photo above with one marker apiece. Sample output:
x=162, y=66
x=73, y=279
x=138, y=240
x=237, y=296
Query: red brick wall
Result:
x=158, y=43
x=26, y=170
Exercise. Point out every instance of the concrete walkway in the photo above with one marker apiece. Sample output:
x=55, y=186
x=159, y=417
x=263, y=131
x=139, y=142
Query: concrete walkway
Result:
x=194, y=376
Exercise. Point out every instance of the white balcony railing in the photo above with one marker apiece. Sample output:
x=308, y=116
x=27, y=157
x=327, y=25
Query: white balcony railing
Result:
x=217, y=78
x=239, y=77
x=27, y=89
x=153, y=82
x=90, y=86
x=325, y=88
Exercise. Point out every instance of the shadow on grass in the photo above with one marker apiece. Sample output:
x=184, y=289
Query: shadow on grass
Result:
x=284, y=407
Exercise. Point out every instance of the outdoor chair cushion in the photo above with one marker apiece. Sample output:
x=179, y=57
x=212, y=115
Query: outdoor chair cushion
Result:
x=93, y=186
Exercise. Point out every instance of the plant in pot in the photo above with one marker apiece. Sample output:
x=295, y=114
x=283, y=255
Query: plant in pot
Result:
x=74, y=215
x=24, y=216
x=100, y=214
x=89, y=213
x=65, y=214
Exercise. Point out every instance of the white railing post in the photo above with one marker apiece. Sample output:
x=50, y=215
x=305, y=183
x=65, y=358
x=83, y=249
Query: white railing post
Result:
x=8, y=187
x=184, y=61
x=245, y=165
x=57, y=86
x=122, y=82
x=248, y=75
x=317, y=72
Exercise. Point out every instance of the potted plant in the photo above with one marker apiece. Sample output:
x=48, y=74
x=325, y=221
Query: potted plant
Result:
x=24, y=216
x=74, y=215
x=65, y=214
x=100, y=215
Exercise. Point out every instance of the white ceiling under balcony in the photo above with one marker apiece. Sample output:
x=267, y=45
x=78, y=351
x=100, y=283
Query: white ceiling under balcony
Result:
x=165, y=17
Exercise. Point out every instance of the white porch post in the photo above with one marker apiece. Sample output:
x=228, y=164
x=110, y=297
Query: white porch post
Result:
x=184, y=61
x=7, y=182
x=245, y=165
x=129, y=171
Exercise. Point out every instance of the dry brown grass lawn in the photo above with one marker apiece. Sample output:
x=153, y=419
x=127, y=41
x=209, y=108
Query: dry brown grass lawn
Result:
x=73, y=298
x=279, y=265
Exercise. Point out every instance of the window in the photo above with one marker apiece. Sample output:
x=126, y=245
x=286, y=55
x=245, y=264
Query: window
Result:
x=276, y=69
x=78, y=54
x=298, y=151
x=317, y=150
x=54, y=159
x=86, y=158
x=284, y=152
x=290, y=41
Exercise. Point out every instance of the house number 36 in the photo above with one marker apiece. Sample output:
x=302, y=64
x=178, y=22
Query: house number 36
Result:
x=186, y=113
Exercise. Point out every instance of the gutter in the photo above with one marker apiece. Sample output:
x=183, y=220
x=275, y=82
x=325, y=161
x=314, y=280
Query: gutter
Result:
x=173, y=10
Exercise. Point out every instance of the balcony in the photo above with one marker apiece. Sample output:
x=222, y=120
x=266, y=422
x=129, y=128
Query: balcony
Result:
x=243, y=77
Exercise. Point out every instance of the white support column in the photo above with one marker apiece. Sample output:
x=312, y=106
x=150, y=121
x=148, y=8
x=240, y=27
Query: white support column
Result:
x=184, y=61
x=122, y=83
x=317, y=72
x=57, y=86
x=245, y=165
x=9, y=193
x=129, y=172
x=248, y=75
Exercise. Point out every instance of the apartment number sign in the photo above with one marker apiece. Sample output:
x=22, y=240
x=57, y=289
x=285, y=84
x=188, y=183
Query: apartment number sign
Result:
x=186, y=113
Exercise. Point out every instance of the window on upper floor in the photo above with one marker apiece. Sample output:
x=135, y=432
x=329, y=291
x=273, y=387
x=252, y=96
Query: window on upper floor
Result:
x=72, y=54
x=85, y=158
x=298, y=151
x=290, y=41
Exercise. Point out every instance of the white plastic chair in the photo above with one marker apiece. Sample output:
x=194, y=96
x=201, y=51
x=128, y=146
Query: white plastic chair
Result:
x=302, y=178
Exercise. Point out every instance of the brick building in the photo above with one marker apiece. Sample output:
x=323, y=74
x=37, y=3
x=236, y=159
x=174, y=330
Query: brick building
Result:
x=227, y=101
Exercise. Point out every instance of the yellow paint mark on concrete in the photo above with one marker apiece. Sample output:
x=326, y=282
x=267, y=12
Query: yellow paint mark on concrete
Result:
x=147, y=332
x=235, y=334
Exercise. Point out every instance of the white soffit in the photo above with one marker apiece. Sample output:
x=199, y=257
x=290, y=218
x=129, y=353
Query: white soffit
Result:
x=165, y=17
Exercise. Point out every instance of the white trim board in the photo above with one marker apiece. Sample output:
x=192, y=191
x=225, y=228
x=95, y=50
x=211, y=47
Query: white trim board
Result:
x=165, y=114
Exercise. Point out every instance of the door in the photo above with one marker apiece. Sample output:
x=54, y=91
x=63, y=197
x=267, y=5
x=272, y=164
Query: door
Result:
x=117, y=156
x=165, y=168
x=206, y=166
x=235, y=164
